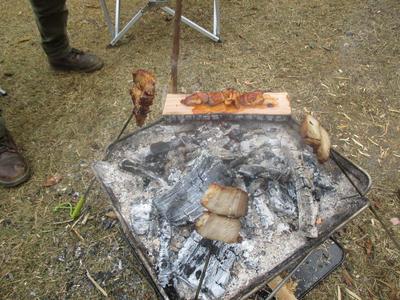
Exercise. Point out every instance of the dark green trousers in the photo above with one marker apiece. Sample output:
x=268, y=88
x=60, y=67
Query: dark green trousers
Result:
x=2, y=127
x=51, y=19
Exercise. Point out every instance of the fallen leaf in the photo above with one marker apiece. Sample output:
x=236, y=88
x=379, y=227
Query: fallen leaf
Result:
x=347, y=278
x=52, y=180
x=368, y=247
x=394, y=294
x=395, y=221
x=111, y=215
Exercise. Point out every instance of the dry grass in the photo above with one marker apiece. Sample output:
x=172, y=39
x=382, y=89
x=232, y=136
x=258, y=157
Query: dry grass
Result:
x=340, y=59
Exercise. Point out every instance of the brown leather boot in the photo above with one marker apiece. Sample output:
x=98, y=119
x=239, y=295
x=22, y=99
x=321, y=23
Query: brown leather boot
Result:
x=13, y=168
x=78, y=61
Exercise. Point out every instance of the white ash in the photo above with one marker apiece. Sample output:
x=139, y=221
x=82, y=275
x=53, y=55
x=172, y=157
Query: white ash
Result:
x=261, y=158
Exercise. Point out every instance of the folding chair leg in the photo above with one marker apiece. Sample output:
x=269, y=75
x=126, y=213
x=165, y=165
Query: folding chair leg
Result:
x=107, y=17
x=216, y=23
x=193, y=25
x=116, y=34
x=117, y=10
x=132, y=22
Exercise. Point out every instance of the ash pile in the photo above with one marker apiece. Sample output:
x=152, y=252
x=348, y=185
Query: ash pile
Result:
x=158, y=176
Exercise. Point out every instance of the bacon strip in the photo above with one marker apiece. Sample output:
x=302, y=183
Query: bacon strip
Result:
x=230, y=97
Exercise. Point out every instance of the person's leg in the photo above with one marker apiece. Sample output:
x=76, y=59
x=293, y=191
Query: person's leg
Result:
x=51, y=18
x=13, y=168
x=2, y=127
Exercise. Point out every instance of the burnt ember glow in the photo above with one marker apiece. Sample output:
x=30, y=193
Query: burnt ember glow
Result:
x=158, y=176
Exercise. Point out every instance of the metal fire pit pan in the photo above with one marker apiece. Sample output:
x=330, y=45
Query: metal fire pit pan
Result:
x=145, y=252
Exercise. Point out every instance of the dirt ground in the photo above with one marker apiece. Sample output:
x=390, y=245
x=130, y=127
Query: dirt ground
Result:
x=338, y=59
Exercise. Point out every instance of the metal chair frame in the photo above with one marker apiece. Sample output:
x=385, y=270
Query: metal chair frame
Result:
x=117, y=34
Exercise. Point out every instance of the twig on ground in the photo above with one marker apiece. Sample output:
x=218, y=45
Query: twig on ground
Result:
x=352, y=294
x=63, y=222
x=78, y=234
x=101, y=290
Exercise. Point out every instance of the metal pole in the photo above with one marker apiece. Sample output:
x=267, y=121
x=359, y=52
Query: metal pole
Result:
x=175, y=46
x=216, y=23
x=107, y=17
x=117, y=13
x=192, y=24
x=120, y=34
x=387, y=230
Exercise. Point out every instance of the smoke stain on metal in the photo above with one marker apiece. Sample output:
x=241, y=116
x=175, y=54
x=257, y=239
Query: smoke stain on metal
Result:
x=156, y=177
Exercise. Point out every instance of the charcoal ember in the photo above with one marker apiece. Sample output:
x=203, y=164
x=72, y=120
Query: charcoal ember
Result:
x=190, y=263
x=141, y=215
x=164, y=147
x=235, y=133
x=264, y=164
x=253, y=141
x=307, y=206
x=283, y=206
x=181, y=204
x=222, y=153
x=260, y=202
x=164, y=261
x=251, y=171
x=322, y=183
x=136, y=167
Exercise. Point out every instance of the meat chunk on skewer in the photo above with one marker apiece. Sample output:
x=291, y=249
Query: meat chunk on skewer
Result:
x=218, y=228
x=226, y=201
x=142, y=93
x=317, y=137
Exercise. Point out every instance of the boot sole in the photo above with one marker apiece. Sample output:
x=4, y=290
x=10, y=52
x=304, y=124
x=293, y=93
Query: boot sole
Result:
x=69, y=69
x=19, y=181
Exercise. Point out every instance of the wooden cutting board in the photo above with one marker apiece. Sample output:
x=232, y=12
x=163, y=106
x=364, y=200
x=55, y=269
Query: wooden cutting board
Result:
x=173, y=107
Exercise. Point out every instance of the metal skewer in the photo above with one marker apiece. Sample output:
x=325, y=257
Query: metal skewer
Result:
x=203, y=274
x=388, y=231
x=212, y=249
x=287, y=277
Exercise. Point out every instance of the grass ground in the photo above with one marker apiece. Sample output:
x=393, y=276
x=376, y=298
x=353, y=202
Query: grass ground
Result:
x=339, y=59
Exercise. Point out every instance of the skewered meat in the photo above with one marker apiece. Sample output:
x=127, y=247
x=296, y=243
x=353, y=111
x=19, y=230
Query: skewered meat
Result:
x=226, y=201
x=323, y=150
x=252, y=98
x=215, y=227
x=142, y=94
x=310, y=131
x=230, y=97
x=145, y=81
x=317, y=137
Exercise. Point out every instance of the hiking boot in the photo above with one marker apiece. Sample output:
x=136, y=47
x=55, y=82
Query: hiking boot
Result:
x=13, y=168
x=78, y=61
